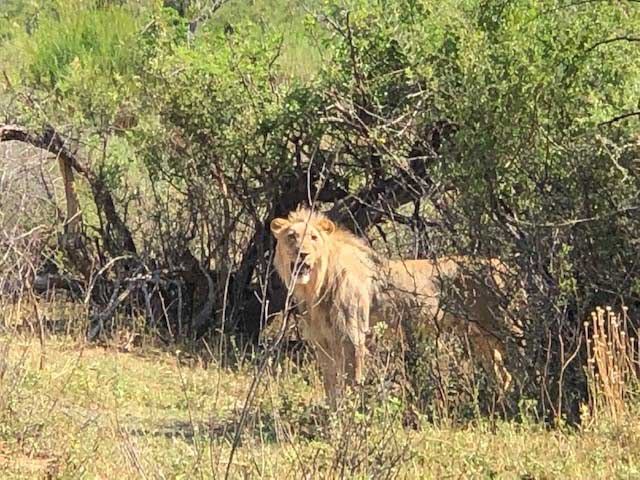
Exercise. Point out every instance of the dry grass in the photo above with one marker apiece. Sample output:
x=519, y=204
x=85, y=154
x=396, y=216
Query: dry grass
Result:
x=613, y=363
x=73, y=411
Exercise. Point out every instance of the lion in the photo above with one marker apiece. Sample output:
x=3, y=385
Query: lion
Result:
x=347, y=288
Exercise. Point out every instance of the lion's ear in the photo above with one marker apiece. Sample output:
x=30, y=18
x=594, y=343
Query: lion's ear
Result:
x=327, y=225
x=278, y=225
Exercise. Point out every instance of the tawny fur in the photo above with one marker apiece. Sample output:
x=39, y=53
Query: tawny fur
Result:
x=347, y=287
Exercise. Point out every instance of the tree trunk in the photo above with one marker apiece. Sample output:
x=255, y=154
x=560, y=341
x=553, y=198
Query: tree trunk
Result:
x=116, y=236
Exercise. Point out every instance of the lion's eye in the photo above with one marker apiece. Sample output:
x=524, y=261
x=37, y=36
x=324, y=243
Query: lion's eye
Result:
x=314, y=236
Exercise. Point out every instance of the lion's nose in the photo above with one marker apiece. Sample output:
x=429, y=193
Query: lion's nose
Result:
x=303, y=255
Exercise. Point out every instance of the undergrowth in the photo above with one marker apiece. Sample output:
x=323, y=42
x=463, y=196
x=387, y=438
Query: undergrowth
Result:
x=72, y=410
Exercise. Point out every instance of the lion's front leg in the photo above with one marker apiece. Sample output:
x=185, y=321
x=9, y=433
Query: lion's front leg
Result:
x=360, y=353
x=354, y=352
x=328, y=370
x=354, y=323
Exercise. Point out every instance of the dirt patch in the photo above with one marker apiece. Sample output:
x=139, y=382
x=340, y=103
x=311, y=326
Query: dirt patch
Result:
x=35, y=465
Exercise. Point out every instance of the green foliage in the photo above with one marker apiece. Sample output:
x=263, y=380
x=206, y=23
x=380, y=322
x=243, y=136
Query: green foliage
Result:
x=227, y=108
x=82, y=57
x=284, y=19
x=539, y=176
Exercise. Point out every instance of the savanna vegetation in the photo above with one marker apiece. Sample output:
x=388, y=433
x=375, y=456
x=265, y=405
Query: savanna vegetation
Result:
x=146, y=146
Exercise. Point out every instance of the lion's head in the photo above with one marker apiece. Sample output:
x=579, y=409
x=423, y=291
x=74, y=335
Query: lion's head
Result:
x=303, y=246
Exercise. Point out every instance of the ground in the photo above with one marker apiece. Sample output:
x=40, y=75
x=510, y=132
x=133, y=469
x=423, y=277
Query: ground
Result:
x=74, y=411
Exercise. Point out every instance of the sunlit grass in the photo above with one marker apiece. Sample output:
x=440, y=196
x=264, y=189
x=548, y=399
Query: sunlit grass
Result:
x=99, y=412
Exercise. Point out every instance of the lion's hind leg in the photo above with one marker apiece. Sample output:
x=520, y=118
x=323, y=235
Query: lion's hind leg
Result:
x=502, y=374
x=491, y=353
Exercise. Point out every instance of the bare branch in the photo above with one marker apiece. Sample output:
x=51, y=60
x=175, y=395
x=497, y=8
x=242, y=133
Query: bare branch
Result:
x=117, y=237
x=619, y=117
x=622, y=38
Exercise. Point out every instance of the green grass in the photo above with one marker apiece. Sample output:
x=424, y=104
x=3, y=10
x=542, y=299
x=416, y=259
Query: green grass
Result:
x=79, y=34
x=93, y=412
x=300, y=54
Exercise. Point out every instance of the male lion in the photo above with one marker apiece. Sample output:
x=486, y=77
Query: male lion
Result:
x=347, y=288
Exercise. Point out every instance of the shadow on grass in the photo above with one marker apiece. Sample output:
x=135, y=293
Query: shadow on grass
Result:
x=185, y=430
x=266, y=427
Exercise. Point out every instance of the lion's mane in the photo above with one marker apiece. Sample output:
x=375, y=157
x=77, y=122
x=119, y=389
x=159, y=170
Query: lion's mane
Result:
x=344, y=254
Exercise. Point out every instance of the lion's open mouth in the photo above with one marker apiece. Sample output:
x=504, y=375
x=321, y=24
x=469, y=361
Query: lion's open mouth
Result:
x=301, y=272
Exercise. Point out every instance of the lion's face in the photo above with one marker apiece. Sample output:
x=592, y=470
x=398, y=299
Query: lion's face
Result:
x=302, y=245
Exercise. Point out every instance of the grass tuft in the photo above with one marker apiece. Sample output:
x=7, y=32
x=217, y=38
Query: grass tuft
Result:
x=613, y=363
